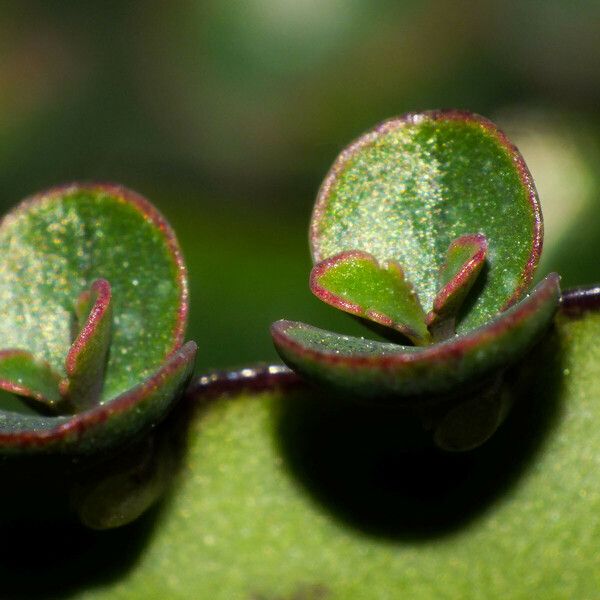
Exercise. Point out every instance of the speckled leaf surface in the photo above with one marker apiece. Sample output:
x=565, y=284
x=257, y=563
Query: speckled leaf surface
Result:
x=54, y=245
x=354, y=282
x=408, y=188
x=371, y=369
x=285, y=495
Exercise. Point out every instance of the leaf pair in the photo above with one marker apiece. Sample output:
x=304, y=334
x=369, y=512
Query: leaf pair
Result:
x=355, y=282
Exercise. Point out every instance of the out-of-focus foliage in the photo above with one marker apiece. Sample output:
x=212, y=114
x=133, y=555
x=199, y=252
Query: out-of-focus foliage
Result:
x=228, y=114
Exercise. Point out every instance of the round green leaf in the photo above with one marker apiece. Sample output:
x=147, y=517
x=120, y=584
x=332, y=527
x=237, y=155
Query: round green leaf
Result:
x=405, y=190
x=56, y=244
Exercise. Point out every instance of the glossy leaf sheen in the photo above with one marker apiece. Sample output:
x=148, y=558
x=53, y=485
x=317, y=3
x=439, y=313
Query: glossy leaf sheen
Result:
x=408, y=188
x=356, y=283
x=56, y=244
x=244, y=524
x=106, y=425
x=372, y=369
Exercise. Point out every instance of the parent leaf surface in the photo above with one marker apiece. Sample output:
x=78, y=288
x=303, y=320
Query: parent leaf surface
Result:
x=284, y=495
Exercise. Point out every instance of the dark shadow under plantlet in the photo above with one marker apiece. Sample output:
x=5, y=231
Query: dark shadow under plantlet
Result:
x=374, y=469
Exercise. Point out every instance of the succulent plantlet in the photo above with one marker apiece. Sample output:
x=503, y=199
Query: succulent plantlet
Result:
x=428, y=225
x=94, y=301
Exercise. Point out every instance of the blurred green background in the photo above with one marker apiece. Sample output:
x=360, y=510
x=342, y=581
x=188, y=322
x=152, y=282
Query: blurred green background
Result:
x=227, y=115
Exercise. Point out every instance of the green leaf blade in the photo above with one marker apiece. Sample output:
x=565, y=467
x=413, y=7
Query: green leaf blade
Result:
x=356, y=283
x=409, y=187
x=464, y=261
x=377, y=370
x=86, y=361
x=24, y=375
x=57, y=243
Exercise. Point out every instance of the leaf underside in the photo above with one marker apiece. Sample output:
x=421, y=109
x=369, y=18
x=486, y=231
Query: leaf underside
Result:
x=410, y=187
x=356, y=510
x=370, y=369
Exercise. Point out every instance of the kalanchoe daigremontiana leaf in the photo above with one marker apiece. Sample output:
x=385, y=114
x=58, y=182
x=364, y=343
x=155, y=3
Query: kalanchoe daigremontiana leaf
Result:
x=428, y=224
x=93, y=307
x=278, y=473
